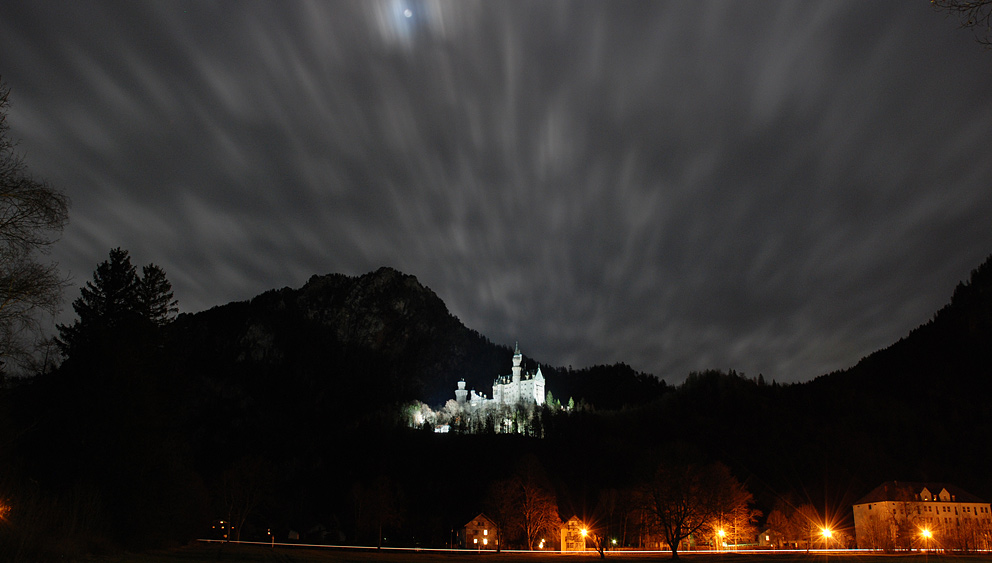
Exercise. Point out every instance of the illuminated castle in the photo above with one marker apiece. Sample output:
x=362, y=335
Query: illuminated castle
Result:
x=508, y=389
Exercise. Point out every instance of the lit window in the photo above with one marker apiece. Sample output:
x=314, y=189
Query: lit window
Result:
x=485, y=532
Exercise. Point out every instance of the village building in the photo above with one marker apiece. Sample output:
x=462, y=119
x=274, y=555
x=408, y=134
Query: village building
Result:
x=573, y=537
x=478, y=533
x=774, y=539
x=916, y=515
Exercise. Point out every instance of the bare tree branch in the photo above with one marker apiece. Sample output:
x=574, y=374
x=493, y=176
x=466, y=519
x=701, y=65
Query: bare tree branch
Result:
x=974, y=14
x=32, y=217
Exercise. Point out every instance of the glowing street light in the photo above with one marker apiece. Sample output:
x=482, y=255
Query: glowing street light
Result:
x=927, y=534
x=827, y=534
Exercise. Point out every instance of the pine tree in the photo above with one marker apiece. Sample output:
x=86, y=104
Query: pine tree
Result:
x=110, y=301
x=118, y=302
x=155, y=296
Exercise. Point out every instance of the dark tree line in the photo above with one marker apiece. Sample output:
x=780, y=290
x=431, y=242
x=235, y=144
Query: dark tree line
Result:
x=97, y=456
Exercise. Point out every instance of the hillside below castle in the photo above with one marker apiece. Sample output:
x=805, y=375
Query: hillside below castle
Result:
x=308, y=391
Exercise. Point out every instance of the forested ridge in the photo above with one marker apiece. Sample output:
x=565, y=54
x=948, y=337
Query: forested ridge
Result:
x=299, y=394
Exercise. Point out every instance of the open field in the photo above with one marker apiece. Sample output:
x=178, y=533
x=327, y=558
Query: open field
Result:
x=212, y=552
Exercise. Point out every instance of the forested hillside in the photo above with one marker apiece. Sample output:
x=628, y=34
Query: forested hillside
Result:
x=298, y=396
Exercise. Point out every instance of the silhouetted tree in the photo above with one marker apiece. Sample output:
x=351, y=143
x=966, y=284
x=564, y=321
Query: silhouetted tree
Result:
x=110, y=301
x=155, y=296
x=805, y=523
x=538, y=506
x=778, y=522
x=246, y=485
x=378, y=505
x=683, y=499
x=502, y=505
x=32, y=216
x=119, y=302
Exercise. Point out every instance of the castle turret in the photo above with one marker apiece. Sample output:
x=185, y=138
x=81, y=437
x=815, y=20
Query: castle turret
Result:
x=517, y=358
x=539, y=387
x=461, y=395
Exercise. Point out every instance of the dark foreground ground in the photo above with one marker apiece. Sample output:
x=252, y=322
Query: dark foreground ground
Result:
x=207, y=552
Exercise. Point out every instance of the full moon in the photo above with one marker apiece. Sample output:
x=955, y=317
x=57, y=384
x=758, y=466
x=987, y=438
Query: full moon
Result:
x=408, y=13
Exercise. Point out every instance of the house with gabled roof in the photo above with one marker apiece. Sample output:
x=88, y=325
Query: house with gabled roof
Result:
x=573, y=535
x=478, y=533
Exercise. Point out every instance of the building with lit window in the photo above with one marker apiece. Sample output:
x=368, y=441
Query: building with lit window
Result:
x=905, y=515
x=479, y=533
x=573, y=535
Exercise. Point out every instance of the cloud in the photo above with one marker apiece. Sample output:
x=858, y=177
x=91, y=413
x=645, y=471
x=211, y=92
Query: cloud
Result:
x=778, y=188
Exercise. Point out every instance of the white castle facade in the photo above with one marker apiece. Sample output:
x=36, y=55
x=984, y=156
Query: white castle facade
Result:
x=518, y=386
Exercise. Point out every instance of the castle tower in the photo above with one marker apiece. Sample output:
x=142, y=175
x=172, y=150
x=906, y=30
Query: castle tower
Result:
x=539, y=387
x=517, y=358
x=461, y=394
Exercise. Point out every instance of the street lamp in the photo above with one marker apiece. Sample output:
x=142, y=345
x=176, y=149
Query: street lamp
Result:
x=926, y=538
x=826, y=537
x=720, y=542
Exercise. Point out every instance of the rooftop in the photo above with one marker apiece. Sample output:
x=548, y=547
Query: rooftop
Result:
x=910, y=491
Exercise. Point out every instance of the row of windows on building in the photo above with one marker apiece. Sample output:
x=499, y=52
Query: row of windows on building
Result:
x=921, y=509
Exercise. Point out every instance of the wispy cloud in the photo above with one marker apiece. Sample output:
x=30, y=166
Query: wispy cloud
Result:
x=779, y=188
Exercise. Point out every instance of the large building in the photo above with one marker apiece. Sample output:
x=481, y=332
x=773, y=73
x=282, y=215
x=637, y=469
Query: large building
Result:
x=905, y=515
x=518, y=386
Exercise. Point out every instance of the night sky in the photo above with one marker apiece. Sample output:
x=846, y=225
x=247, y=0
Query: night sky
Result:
x=774, y=187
